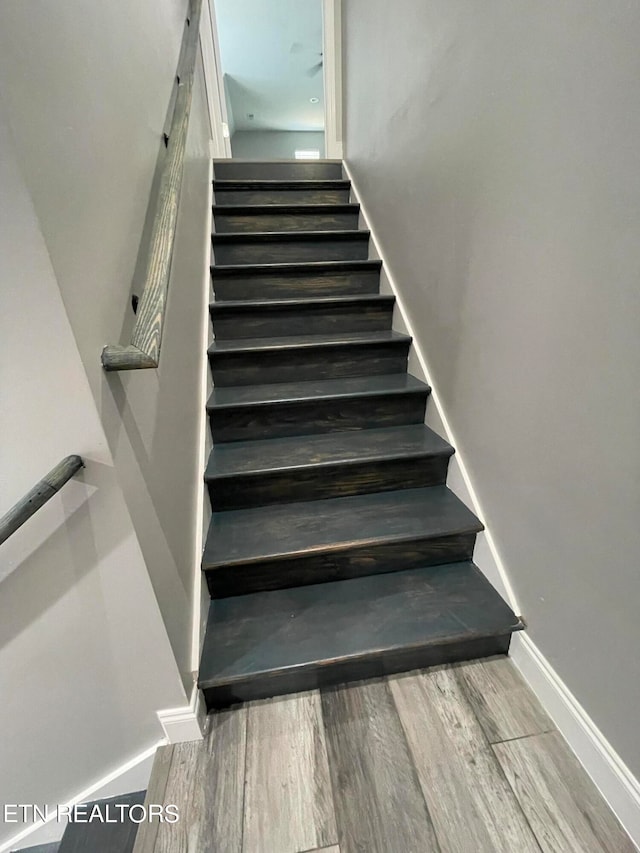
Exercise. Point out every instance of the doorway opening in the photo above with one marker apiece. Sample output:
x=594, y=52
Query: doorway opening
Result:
x=272, y=65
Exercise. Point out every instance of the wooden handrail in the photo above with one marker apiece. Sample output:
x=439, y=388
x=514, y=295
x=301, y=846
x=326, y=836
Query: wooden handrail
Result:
x=36, y=497
x=146, y=340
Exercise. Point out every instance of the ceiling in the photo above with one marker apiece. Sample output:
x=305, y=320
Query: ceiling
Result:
x=268, y=48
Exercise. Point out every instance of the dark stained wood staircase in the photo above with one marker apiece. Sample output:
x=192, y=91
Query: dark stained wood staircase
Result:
x=335, y=549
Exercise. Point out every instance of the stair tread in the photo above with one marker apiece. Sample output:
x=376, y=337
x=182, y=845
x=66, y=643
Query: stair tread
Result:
x=292, y=236
x=283, y=207
x=285, y=530
x=324, y=623
x=281, y=183
x=353, y=386
x=308, y=341
x=282, y=454
x=297, y=266
x=253, y=304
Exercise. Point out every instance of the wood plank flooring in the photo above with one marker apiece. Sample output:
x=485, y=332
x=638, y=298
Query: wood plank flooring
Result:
x=460, y=777
x=561, y=803
x=288, y=799
x=455, y=759
x=148, y=832
x=218, y=791
x=378, y=801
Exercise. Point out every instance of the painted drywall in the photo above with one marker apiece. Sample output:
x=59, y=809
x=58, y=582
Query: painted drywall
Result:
x=270, y=55
x=494, y=147
x=267, y=144
x=86, y=95
x=85, y=660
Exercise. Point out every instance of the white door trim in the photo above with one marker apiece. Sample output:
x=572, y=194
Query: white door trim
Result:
x=132, y=775
x=220, y=142
x=332, y=65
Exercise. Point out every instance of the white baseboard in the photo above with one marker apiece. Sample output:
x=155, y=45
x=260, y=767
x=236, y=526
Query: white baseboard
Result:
x=612, y=777
x=185, y=723
x=131, y=776
x=199, y=603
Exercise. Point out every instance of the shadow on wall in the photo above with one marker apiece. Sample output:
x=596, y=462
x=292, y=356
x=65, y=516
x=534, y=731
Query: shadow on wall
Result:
x=151, y=419
x=34, y=588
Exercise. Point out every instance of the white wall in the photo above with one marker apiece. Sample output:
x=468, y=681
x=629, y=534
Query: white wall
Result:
x=84, y=657
x=495, y=147
x=273, y=144
x=86, y=93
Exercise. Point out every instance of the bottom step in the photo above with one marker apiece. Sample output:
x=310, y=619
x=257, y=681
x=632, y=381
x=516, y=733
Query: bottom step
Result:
x=284, y=641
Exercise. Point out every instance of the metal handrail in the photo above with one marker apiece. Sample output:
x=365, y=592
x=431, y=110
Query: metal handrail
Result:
x=144, y=349
x=36, y=497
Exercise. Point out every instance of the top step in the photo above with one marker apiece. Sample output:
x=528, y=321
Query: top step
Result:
x=277, y=169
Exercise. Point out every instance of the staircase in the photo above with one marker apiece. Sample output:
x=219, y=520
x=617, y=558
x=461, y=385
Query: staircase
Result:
x=335, y=550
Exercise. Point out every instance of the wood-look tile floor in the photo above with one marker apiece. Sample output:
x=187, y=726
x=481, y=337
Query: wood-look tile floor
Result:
x=457, y=759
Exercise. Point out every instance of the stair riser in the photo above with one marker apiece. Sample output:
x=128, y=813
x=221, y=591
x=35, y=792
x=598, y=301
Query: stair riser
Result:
x=340, y=480
x=294, y=285
x=385, y=662
x=225, y=223
x=339, y=565
x=283, y=196
x=277, y=420
x=257, y=368
x=298, y=320
x=300, y=170
x=248, y=251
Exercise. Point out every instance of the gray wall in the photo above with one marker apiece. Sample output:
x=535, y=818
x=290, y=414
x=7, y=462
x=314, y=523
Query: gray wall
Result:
x=274, y=144
x=495, y=146
x=85, y=661
x=86, y=94
x=231, y=120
